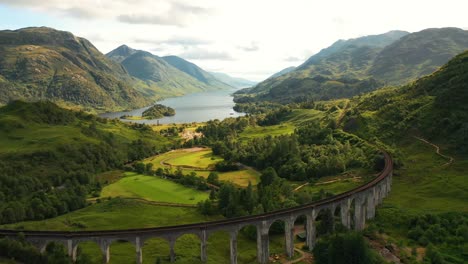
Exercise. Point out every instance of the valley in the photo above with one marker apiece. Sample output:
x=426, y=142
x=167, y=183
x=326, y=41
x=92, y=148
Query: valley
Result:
x=356, y=156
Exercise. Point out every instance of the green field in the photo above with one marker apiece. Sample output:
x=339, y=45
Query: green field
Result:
x=203, y=159
x=263, y=131
x=423, y=184
x=198, y=160
x=153, y=189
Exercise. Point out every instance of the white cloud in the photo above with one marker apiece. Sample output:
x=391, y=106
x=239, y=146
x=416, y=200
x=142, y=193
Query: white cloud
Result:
x=202, y=54
x=253, y=46
x=255, y=38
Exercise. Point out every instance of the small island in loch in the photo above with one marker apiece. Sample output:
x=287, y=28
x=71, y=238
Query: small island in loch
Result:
x=154, y=112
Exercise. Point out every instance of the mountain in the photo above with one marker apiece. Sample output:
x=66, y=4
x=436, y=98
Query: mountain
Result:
x=434, y=107
x=233, y=81
x=343, y=59
x=44, y=63
x=395, y=57
x=195, y=71
x=159, y=78
x=283, y=72
x=121, y=53
x=418, y=54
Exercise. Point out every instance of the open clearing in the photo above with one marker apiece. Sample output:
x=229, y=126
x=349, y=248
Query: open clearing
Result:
x=153, y=189
x=202, y=162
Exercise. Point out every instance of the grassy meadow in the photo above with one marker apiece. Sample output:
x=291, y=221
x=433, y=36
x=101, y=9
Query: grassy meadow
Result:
x=202, y=161
x=423, y=186
x=151, y=188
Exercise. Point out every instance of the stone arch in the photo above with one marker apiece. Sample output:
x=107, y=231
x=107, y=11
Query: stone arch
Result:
x=122, y=249
x=88, y=249
x=219, y=246
x=247, y=238
x=155, y=248
x=184, y=248
x=298, y=233
x=336, y=213
x=276, y=238
x=325, y=220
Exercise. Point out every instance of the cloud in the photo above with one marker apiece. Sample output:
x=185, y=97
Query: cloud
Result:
x=253, y=46
x=179, y=40
x=202, y=54
x=155, y=12
x=151, y=19
x=178, y=14
x=292, y=59
x=78, y=12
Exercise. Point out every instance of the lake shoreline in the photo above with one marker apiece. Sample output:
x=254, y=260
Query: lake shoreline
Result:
x=194, y=107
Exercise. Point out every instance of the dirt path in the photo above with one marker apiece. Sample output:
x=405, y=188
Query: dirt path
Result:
x=337, y=180
x=304, y=256
x=300, y=186
x=437, y=148
x=326, y=182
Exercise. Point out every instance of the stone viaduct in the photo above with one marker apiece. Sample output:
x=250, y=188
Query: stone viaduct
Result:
x=355, y=207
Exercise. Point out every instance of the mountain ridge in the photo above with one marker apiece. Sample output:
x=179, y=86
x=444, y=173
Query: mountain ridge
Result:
x=44, y=63
x=155, y=71
x=381, y=57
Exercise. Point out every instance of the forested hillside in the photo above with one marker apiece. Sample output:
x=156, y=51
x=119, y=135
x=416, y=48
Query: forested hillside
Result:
x=49, y=157
x=434, y=106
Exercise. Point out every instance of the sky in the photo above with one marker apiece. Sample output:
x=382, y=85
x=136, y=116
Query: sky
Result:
x=251, y=39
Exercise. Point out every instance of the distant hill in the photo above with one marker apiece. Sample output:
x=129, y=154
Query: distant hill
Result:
x=121, y=53
x=197, y=72
x=283, y=72
x=418, y=54
x=161, y=77
x=434, y=107
x=395, y=57
x=233, y=81
x=44, y=63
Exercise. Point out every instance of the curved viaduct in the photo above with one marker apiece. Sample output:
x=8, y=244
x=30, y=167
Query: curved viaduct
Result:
x=365, y=199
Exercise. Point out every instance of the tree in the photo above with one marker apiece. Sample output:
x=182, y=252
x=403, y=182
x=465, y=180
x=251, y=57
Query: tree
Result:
x=213, y=178
x=348, y=248
x=140, y=167
x=149, y=168
x=268, y=177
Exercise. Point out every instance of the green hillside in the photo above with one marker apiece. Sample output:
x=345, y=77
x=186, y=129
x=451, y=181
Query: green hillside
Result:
x=434, y=107
x=43, y=63
x=50, y=156
x=418, y=54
